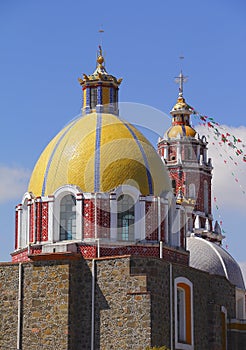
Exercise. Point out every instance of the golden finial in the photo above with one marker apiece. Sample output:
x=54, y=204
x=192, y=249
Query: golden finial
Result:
x=100, y=58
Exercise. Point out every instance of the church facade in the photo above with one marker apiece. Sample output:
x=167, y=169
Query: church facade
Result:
x=115, y=245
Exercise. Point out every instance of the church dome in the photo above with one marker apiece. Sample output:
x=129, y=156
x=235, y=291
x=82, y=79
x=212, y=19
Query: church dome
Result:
x=98, y=152
x=180, y=130
x=212, y=258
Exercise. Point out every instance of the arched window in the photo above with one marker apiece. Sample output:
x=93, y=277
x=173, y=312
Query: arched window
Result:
x=68, y=218
x=125, y=217
x=183, y=313
x=115, y=98
x=205, y=197
x=192, y=191
x=93, y=98
x=181, y=324
x=189, y=152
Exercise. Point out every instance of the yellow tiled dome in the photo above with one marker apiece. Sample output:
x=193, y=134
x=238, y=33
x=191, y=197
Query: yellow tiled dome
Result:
x=97, y=153
x=182, y=130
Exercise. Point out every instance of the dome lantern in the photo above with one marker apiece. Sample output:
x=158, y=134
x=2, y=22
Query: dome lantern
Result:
x=100, y=89
x=181, y=112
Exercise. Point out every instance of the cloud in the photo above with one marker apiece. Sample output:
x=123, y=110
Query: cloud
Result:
x=13, y=182
x=243, y=269
x=229, y=173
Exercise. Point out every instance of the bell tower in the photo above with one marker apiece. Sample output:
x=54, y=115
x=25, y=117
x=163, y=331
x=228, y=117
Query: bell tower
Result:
x=185, y=154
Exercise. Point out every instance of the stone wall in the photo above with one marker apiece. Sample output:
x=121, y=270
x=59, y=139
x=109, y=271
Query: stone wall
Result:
x=8, y=306
x=156, y=272
x=131, y=298
x=124, y=321
x=79, y=309
x=45, y=305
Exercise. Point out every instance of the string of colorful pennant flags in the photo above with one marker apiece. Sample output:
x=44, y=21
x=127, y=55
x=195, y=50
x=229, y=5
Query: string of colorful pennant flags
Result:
x=222, y=136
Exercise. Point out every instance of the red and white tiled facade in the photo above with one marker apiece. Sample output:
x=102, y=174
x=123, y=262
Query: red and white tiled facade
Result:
x=191, y=177
x=37, y=226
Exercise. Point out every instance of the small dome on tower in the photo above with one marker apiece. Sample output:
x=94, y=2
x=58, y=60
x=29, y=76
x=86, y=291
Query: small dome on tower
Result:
x=180, y=112
x=180, y=131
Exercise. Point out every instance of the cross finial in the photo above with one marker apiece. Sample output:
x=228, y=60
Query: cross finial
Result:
x=100, y=50
x=101, y=31
x=181, y=79
x=100, y=58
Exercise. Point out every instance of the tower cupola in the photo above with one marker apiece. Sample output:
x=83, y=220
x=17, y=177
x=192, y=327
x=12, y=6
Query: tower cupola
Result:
x=180, y=113
x=100, y=89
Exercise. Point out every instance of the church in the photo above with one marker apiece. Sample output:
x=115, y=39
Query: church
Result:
x=115, y=242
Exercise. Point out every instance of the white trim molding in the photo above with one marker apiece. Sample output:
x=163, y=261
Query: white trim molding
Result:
x=224, y=331
x=139, y=211
x=24, y=220
x=186, y=286
x=58, y=195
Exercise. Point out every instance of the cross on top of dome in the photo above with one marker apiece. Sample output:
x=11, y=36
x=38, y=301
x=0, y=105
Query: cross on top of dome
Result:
x=181, y=79
x=181, y=106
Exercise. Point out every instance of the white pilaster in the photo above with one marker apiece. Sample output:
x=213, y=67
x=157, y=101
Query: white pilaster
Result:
x=18, y=209
x=165, y=152
x=51, y=219
x=179, y=159
x=197, y=224
x=28, y=224
x=166, y=231
x=198, y=152
x=140, y=218
x=205, y=155
x=113, y=217
x=79, y=218
x=159, y=218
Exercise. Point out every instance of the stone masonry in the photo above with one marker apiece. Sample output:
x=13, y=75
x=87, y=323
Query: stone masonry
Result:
x=131, y=303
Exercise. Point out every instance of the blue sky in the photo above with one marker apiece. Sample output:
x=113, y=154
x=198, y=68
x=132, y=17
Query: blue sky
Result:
x=47, y=45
